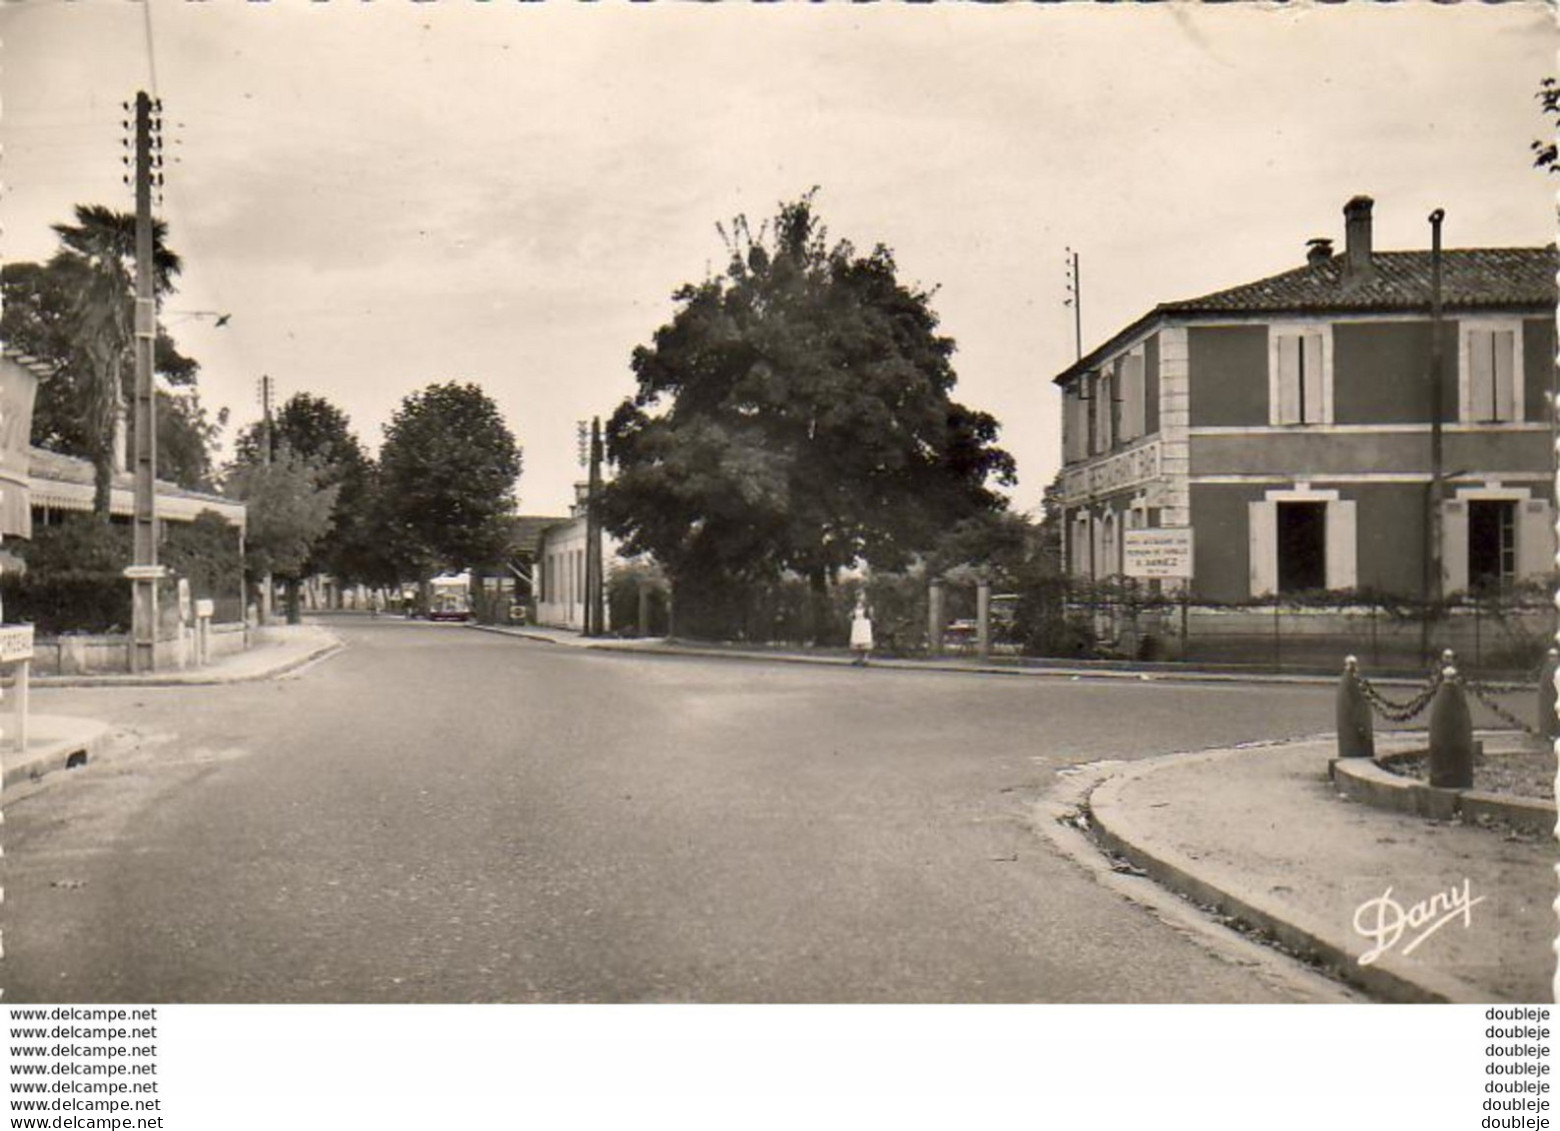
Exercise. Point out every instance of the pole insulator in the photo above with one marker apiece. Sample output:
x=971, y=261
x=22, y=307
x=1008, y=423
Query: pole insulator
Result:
x=1356, y=734
x=1451, y=735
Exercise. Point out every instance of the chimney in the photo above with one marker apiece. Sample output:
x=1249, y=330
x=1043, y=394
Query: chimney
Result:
x=1318, y=251
x=1357, y=266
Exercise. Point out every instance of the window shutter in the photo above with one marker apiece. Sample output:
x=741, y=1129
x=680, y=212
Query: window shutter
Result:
x=1454, y=546
x=1342, y=555
x=1481, y=375
x=1311, y=364
x=1131, y=396
x=1502, y=347
x=1535, y=538
x=1288, y=408
x=1262, y=527
x=1091, y=408
x=1105, y=390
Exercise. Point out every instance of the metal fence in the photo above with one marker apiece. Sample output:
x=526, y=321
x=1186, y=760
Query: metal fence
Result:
x=1492, y=635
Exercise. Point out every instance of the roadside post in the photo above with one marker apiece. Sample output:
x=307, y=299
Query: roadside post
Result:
x=186, y=623
x=1356, y=736
x=983, y=618
x=934, y=617
x=1451, y=731
x=205, y=609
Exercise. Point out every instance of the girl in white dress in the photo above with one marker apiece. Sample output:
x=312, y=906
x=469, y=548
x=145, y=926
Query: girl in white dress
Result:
x=861, y=632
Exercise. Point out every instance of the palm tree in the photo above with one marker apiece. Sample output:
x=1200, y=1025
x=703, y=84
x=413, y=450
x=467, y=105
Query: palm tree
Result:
x=96, y=261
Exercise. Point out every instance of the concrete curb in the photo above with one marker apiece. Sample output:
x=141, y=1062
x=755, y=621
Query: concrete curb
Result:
x=1366, y=781
x=1060, y=817
x=1135, y=675
x=193, y=678
x=90, y=739
x=1390, y=977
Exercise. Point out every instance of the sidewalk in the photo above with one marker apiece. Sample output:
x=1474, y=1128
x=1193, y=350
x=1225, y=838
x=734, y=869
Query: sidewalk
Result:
x=1259, y=835
x=54, y=742
x=277, y=649
x=1013, y=666
x=57, y=742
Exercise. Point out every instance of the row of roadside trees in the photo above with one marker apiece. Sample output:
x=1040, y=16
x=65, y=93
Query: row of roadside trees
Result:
x=434, y=499
x=793, y=431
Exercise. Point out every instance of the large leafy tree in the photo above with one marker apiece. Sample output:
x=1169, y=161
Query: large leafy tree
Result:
x=796, y=414
x=447, y=471
x=76, y=313
x=316, y=429
x=289, y=510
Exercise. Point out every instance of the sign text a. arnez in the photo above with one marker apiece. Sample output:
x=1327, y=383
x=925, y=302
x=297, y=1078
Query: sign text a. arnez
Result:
x=1165, y=552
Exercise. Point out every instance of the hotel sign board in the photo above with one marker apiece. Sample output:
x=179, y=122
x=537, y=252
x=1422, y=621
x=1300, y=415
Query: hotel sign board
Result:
x=1162, y=553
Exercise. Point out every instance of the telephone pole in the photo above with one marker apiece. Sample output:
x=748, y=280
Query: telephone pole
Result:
x=266, y=389
x=145, y=572
x=595, y=587
x=1434, y=580
x=1075, y=299
x=267, y=432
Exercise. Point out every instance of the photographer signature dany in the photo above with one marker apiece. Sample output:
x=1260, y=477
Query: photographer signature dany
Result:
x=1385, y=921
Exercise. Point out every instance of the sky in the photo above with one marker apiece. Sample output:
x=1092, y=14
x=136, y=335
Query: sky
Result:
x=387, y=194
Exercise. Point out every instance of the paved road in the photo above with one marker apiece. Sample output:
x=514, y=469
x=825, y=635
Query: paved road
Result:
x=436, y=814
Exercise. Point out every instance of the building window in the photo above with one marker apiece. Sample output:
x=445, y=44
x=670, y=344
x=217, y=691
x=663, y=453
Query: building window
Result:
x=1082, y=547
x=1302, y=540
x=1490, y=375
x=1300, y=375
x=1302, y=547
x=1493, y=535
x=1076, y=422
x=1104, y=411
x=1109, y=564
x=1492, y=543
x=1133, y=394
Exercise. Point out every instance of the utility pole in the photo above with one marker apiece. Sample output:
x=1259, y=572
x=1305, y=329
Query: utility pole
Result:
x=1434, y=532
x=267, y=434
x=145, y=572
x=595, y=588
x=1075, y=299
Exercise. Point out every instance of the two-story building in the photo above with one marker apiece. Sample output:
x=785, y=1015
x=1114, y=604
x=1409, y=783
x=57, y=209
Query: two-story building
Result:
x=1286, y=423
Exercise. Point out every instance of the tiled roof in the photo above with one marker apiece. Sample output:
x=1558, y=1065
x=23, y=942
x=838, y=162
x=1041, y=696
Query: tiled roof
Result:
x=43, y=464
x=1486, y=278
x=526, y=531
x=1475, y=278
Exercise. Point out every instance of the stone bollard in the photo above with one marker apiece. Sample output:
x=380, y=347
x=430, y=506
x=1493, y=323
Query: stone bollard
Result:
x=1356, y=737
x=1548, y=722
x=1451, y=735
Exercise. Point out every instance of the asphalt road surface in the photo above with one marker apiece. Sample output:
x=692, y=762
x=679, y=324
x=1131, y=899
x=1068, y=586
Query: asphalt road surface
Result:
x=437, y=814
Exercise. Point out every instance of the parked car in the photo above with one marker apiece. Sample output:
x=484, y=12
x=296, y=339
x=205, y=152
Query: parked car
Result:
x=449, y=606
x=961, y=634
